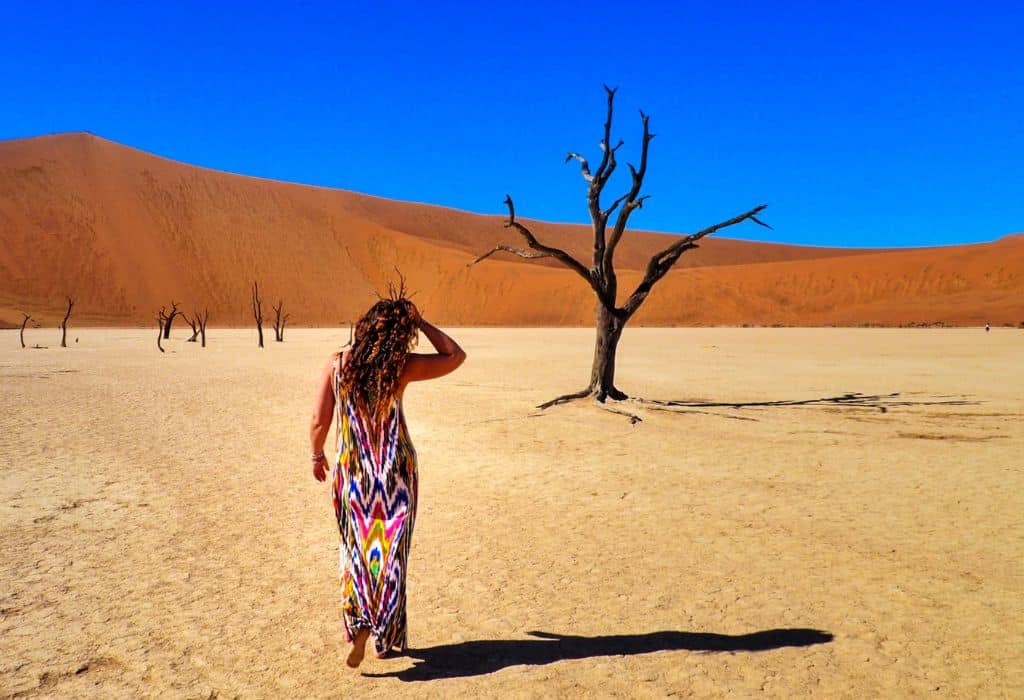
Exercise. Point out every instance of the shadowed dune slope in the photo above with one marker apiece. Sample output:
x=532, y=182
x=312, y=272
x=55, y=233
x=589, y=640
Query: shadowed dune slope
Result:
x=125, y=232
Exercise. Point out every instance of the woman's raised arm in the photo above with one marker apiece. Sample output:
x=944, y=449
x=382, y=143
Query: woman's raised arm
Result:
x=419, y=366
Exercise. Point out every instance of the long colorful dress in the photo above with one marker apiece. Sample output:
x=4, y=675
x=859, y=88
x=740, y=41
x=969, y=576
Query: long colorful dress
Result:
x=374, y=492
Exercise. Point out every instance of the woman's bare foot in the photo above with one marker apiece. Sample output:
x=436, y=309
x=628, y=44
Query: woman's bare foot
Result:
x=355, y=656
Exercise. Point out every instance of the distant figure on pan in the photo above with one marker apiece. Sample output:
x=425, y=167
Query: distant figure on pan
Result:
x=987, y=328
x=374, y=474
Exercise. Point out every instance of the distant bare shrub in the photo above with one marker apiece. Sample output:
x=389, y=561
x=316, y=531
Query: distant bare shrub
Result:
x=257, y=311
x=193, y=323
x=161, y=319
x=64, y=324
x=169, y=319
x=279, y=322
x=23, y=324
x=201, y=320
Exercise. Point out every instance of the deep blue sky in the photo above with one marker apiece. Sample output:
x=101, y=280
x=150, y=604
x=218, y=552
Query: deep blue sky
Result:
x=860, y=124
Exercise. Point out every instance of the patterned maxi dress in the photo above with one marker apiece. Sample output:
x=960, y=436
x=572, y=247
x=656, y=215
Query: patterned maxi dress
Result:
x=374, y=492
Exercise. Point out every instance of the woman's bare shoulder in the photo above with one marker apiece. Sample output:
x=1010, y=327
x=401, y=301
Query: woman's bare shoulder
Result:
x=336, y=361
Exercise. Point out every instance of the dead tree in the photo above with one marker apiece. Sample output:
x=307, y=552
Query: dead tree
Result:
x=24, y=323
x=201, y=319
x=170, y=319
x=64, y=324
x=161, y=320
x=193, y=322
x=279, y=322
x=257, y=311
x=600, y=275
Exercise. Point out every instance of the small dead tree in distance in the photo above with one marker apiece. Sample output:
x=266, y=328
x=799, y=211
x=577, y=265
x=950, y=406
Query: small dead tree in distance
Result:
x=257, y=311
x=611, y=317
x=64, y=324
x=161, y=320
x=201, y=319
x=170, y=319
x=193, y=322
x=279, y=322
x=24, y=323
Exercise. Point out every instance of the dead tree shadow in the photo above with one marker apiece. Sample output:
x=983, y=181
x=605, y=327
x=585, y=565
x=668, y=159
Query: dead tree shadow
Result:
x=883, y=402
x=483, y=656
x=879, y=402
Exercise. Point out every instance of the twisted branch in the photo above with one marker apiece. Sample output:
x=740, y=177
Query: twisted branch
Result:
x=521, y=252
x=28, y=317
x=660, y=263
x=584, y=166
x=598, y=218
x=544, y=250
x=161, y=319
x=566, y=398
x=631, y=200
x=604, y=170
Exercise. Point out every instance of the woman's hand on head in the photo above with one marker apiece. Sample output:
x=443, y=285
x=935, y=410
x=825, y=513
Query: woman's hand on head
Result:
x=417, y=317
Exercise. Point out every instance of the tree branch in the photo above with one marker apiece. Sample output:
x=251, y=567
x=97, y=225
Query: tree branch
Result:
x=548, y=251
x=566, y=398
x=606, y=141
x=632, y=198
x=584, y=166
x=604, y=171
x=660, y=263
x=521, y=252
x=611, y=210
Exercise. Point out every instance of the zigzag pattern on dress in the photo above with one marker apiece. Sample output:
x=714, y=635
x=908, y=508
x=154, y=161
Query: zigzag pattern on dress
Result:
x=374, y=494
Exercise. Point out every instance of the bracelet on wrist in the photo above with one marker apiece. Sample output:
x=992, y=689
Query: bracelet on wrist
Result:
x=317, y=456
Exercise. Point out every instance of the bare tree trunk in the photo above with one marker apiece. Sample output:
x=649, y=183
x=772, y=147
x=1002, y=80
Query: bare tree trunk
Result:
x=161, y=319
x=257, y=311
x=64, y=324
x=23, y=324
x=170, y=319
x=602, y=374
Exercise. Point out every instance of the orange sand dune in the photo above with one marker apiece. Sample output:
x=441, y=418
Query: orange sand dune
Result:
x=125, y=232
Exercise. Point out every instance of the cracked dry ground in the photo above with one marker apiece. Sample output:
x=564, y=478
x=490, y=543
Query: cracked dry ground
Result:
x=162, y=535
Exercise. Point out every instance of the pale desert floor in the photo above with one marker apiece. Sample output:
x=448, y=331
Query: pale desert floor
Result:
x=162, y=534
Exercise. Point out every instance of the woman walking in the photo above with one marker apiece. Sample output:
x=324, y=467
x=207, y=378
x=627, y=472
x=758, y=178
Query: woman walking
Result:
x=374, y=476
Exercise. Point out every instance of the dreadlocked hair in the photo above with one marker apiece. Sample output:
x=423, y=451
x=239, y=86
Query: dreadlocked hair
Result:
x=383, y=338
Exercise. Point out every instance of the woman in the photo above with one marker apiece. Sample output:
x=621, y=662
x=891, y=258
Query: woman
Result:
x=374, y=476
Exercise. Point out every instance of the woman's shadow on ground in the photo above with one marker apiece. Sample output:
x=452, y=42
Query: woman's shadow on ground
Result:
x=484, y=656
